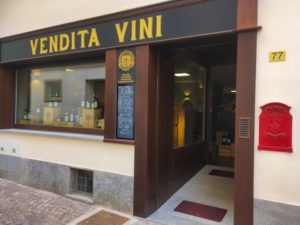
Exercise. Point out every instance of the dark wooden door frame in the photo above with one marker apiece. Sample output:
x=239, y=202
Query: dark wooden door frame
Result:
x=245, y=108
x=7, y=96
x=144, y=201
x=245, y=105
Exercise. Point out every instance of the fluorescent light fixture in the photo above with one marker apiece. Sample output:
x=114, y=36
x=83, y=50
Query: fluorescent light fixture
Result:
x=232, y=91
x=182, y=74
x=69, y=70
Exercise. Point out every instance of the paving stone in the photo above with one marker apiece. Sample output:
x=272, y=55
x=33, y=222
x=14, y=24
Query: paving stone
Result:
x=21, y=205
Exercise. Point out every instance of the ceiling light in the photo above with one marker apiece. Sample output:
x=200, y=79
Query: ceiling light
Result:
x=36, y=72
x=182, y=74
x=69, y=70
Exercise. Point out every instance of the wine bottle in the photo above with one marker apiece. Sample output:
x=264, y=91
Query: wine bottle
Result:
x=96, y=103
x=66, y=117
x=25, y=115
x=71, y=117
x=88, y=104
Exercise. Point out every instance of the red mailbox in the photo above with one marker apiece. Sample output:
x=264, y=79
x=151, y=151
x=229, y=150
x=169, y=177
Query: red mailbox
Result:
x=275, y=128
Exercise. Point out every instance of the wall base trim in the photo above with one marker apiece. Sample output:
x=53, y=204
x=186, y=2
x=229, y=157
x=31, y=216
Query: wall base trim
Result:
x=274, y=213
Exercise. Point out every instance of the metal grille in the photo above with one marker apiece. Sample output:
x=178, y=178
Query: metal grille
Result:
x=84, y=181
x=244, y=127
x=53, y=92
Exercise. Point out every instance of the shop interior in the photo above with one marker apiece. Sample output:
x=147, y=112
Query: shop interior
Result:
x=223, y=115
x=204, y=104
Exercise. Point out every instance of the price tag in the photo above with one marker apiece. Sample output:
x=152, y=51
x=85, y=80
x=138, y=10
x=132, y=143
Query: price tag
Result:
x=277, y=56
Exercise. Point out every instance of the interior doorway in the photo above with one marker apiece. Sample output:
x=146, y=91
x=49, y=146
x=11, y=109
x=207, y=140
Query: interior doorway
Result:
x=223, y=105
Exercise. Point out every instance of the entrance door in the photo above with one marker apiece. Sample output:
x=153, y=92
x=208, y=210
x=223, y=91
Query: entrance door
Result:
x=180, y=122
x=189, y=79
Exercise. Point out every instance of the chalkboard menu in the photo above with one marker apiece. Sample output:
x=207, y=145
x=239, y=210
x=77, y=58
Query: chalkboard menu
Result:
x=125, y=104
x=125, y=112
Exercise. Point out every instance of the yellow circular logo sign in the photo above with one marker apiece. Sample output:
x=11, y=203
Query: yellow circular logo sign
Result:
x=126, y=60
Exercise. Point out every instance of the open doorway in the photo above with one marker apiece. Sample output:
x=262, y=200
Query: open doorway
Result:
x=156, y=162
x=196, y=89
x=223, y=91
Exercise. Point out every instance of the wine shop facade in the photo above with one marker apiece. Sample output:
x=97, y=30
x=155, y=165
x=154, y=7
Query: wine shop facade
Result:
x=92, y=109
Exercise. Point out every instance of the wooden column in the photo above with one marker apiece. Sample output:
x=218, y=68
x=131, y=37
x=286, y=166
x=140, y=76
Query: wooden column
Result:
x=145, y=139
x=6, y=97
x=245, y=106
x=245, y=110
x=110, y=95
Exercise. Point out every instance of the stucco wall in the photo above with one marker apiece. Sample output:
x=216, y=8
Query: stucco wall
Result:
x=276, y=176
x=77, y=153
x=19, y=16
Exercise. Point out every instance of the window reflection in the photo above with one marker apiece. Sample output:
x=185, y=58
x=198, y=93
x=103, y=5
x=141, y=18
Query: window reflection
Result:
x=62, y=96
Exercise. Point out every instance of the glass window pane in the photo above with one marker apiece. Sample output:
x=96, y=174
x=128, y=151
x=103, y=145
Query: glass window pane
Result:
x=67, y=96
x=189, y=103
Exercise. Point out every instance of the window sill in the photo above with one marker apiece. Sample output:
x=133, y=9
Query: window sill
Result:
x=85, y=198
x=54, y=134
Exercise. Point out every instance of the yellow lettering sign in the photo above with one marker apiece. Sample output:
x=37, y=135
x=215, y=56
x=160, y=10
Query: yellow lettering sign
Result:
x=64, y=42
x=121, y=31
x=82, y=34
x=132, y=30
x=73, y=41
x=33, y=46
x=43, y=49
x=158, y=26
x=146, y=28
x=94, y=41
x=53, y=43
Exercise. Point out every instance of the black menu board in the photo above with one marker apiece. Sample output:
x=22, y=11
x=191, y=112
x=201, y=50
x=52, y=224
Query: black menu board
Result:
x=126, y=83
x=125, y=112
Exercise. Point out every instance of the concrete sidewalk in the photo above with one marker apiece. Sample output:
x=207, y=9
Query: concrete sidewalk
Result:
x=22, y=205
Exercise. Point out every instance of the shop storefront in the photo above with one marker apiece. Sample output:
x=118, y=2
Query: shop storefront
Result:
x=113, y=108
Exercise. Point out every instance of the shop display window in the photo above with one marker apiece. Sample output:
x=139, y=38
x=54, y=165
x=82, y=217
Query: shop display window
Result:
x=64, y=96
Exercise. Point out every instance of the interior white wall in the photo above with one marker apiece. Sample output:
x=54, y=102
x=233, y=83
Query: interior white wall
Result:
x=276, y=175
x=19, y=16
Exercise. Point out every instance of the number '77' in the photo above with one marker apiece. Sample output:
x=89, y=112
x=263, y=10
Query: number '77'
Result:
x=277, y=55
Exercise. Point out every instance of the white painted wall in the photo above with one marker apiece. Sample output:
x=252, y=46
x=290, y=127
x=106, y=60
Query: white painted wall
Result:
x=19, y=16
x=276, y=176
x=76, y=153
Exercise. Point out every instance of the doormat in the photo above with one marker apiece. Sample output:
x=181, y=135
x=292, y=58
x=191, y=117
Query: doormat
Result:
x=222, y=173
x=202, y=211
x=104, y=218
